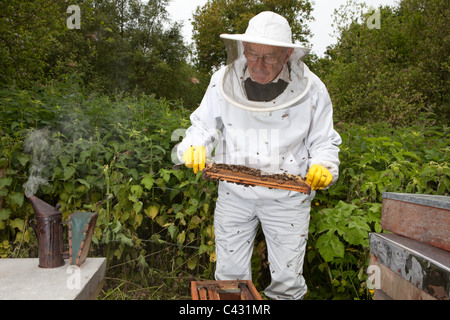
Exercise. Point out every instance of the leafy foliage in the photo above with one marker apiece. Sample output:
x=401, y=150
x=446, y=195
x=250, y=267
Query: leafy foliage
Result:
x=112, y=155
x=374, y=159
x=27, y=30
x=122, y=46
x=399, y=72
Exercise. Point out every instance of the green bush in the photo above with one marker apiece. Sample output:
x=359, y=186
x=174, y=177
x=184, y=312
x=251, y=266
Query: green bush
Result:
x=109, y=155
x=397, y=73
x=112, y=155
x=374, y=159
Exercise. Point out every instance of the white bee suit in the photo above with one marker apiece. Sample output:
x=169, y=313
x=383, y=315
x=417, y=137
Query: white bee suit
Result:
x=285, y=135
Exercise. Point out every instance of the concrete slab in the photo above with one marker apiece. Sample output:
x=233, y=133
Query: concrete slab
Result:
x=23, y=279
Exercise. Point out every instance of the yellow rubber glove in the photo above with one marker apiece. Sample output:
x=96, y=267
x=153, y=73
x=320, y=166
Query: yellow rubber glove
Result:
x=194, y=157
x=318, y=177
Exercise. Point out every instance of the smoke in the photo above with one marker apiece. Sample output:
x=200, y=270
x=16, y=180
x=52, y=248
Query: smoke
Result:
x=45, y=144
x=39, y=146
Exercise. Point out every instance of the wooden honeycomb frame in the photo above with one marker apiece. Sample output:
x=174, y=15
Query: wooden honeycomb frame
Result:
x=254, y=177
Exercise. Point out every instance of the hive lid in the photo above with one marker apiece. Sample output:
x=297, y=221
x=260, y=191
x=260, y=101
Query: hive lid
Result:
x=436, y=201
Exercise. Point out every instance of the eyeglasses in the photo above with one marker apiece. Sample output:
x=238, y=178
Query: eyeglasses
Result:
x=267, y=59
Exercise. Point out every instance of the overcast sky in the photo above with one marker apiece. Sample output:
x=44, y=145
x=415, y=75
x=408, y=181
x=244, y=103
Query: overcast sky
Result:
x=182, y=10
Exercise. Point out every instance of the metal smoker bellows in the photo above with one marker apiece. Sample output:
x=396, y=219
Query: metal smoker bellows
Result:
x=48, y=228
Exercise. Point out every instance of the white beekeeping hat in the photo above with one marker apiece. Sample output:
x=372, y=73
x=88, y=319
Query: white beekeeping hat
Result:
x=267, y=28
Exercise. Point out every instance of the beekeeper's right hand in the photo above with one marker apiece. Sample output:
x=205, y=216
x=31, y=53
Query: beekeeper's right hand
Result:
x=194, y=157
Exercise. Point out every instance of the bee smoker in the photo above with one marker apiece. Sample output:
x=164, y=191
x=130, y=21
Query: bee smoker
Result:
x=48, y=228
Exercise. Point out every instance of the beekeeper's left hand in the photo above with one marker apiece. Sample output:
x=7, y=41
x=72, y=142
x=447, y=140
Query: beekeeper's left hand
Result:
x=318, y=177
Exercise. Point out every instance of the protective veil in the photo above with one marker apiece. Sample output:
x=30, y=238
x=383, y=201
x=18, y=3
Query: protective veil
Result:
x=232, y=87
x=285, y=135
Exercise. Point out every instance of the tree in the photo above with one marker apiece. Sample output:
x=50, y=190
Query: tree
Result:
x=397, y=73
x=121, y=45
x=232, y=16
x=27, y=30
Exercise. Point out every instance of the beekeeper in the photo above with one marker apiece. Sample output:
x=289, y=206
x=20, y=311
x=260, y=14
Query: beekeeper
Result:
x=268, y=111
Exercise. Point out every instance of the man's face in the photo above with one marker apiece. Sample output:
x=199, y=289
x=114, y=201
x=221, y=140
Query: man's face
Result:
x=265, y=62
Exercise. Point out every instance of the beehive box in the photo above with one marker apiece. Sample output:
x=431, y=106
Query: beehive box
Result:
x=224, y=290
x=412, y=262
x=409, y=269
x=425, y=218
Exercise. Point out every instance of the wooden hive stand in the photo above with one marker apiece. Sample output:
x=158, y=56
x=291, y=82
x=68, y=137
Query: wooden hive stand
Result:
x=224, y=290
